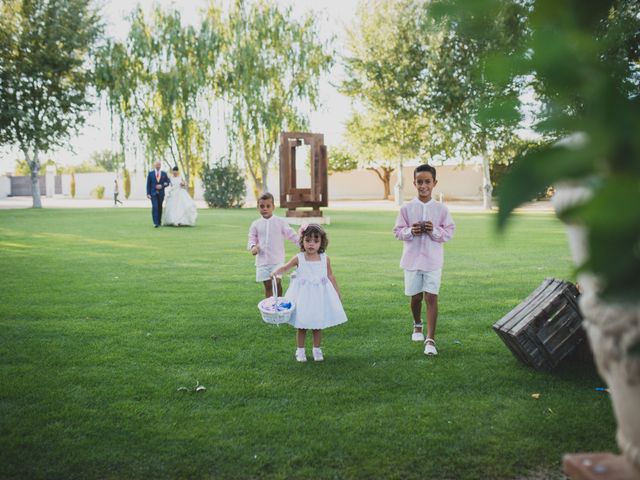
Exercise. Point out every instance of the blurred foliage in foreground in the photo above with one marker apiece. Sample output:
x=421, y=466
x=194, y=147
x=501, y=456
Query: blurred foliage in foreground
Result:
x=582, y=61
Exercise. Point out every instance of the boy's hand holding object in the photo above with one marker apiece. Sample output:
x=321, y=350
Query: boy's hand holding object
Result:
x=420, y=228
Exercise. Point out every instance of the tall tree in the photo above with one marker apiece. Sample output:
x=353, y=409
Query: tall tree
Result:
x=456, y=90
x=45, y=74
x=384, y=78
x=157, y=83
x=274, y=62
x=584, y=59
x=381, y=142
x=109, y=160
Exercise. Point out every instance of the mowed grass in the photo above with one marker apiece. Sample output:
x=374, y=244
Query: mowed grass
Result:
x=103, y=318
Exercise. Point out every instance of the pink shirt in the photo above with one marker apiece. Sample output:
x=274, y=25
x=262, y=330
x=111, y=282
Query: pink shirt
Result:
x=423, y=252
x=269, y=235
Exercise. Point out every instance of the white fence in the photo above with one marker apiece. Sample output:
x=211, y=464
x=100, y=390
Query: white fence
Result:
x=454, y=182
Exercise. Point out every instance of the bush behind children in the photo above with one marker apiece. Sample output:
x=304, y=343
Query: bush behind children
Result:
x=423, y=225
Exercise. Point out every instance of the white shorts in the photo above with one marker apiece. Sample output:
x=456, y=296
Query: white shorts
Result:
x=417, y=281
x=263, y=272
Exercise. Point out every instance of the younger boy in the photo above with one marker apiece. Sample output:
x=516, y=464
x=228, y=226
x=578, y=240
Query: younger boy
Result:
x=423, y=224
x=266, y=242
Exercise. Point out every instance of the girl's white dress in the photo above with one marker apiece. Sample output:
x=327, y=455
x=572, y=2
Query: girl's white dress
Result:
x=180, y=209
x=317, y=303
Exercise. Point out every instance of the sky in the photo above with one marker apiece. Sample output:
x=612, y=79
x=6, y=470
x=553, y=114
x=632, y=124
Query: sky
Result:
x=333, y=15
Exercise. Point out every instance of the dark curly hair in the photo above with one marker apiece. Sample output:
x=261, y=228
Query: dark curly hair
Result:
x=314, y=230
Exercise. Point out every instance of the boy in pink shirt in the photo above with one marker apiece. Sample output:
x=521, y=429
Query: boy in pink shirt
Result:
x=424, y=225
x=266, y=242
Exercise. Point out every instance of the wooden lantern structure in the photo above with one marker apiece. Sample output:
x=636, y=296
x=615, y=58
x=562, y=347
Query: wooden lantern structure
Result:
x=292, y=197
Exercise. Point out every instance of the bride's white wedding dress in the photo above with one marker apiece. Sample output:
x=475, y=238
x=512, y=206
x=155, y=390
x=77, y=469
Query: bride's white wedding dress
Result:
x=180, y=209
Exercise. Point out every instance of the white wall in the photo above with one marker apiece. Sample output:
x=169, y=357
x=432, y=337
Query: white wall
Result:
x=5, y=187
x=86, y=182
x=454, y=182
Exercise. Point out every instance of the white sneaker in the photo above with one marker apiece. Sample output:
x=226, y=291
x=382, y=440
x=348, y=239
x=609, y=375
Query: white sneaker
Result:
x=417, y=336
x=301, y=356
x=430, y=347
x=317, y=355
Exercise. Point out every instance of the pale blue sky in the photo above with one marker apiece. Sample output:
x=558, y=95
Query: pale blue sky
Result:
x=333, y=16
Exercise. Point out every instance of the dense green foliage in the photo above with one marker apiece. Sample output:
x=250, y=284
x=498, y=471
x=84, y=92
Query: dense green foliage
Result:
x=273, y=62
x=422, y=90
x=224, y=185
x=44, y=74
x=583, y=61
x=382, y=77
x=257, y=63
x=505, y=158
x=158, y=85
x=102, y=321
x=108, y=160
x=341, y=160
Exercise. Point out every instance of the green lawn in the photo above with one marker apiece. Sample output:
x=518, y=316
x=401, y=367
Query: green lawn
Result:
x=103, y=318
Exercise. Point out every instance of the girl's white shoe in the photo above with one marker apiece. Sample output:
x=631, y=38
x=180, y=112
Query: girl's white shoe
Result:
x=430, y=347
x=317, y=355
x=301, y=356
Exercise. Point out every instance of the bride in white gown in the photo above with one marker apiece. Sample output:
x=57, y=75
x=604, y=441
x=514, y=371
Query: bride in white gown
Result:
x=180, y=209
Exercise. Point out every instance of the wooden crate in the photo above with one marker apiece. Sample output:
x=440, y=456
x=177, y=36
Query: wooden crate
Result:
x=545, y=327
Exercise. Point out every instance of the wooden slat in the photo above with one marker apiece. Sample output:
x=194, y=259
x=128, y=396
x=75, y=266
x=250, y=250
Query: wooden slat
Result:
x=516, y=315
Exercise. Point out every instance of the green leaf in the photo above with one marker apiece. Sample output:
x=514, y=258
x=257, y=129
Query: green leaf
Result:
x=539, y=169
x=612, y=219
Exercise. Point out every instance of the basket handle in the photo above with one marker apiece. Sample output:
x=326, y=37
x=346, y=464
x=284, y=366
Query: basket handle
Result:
x=274, y=290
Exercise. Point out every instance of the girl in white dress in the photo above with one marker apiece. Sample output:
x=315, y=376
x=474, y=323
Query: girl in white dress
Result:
x=313, y=290
x=180, y=209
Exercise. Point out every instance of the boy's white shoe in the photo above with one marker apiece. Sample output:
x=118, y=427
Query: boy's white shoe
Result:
x=430, y=347
x=301, y=356
x=317, y=355
x=417, y=336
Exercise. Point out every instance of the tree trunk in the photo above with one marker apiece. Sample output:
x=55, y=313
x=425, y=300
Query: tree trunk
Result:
x=387, y=182
x=385, y=178
x=487, y=188
x=258, y=185
x=34, y=166
x=387, y=187
x=264, y=172
x=399, y=188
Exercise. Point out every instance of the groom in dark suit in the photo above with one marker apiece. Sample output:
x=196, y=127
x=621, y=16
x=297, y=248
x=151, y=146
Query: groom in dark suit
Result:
x=157, y=181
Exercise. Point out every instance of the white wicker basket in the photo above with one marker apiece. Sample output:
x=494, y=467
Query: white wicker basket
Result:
x=269, y=307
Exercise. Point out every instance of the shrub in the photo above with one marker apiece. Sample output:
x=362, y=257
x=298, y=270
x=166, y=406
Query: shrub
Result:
x=98, y=192
x=73, y=185
x=341, y=160
x=505, y=160
x=127, y=184
x=224, y=185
